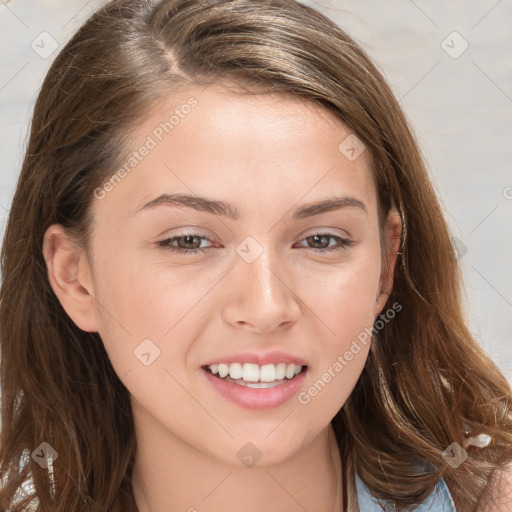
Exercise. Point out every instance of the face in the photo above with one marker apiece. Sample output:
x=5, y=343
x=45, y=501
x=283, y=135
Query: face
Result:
x=253, y=274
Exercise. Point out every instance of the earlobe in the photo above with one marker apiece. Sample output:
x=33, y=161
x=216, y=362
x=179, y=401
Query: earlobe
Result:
x=393, y=232
x=70, y=278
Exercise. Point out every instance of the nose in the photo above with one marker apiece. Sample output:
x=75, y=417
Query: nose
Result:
x=260, y=296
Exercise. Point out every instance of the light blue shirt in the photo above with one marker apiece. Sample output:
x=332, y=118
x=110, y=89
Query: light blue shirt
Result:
x=440, y=500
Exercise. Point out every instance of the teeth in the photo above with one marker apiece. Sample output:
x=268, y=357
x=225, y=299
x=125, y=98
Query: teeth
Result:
x=250, y=372
x=223, y=370
x=235, y=371
x=268, y=373
x=281, y=371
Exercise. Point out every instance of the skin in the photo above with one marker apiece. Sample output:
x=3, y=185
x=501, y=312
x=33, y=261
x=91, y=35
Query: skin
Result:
x=267, y=154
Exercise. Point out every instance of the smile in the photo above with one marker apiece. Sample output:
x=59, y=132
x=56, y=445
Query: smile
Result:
x=253, y=386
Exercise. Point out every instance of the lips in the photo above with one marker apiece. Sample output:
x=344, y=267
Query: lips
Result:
x=261, y=359
x=256, y=380
x=256, y=395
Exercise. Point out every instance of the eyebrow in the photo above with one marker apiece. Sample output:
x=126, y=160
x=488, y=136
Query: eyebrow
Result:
x=230, y=211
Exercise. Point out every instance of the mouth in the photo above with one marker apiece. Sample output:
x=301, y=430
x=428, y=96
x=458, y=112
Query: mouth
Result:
x=252, y=386
x=254, y=376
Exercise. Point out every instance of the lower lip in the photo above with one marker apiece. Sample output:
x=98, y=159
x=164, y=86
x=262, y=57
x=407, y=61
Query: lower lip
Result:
x=251, y=398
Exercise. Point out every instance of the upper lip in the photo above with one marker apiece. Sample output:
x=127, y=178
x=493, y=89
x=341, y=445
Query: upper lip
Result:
x=260, y=359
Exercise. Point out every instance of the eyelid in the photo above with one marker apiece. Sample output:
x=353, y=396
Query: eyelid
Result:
x=314, y=231
x=343, y=241
x=327, y=231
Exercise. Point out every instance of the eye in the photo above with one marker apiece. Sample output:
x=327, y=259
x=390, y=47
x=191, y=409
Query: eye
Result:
x=186, y=240
x=343, y=243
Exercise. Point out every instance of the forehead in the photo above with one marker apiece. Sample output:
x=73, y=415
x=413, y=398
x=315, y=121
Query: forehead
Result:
x=262, y=145
x=227, y=117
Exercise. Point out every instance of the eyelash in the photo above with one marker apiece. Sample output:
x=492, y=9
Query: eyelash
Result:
x=166, y=244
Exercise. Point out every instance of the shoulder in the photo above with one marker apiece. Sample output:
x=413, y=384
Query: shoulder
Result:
x=501, y=491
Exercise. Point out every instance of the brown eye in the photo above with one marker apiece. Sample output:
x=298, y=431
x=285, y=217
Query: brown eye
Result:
x=185, y=242
x=321, y=240
x=188, y=243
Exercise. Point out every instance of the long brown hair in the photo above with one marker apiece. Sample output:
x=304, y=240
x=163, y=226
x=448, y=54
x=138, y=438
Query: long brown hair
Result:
x=426, y=383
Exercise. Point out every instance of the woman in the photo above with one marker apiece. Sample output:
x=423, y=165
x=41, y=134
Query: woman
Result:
x=263, y=364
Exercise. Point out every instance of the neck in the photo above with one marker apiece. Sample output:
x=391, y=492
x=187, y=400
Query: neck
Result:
x=172, y=475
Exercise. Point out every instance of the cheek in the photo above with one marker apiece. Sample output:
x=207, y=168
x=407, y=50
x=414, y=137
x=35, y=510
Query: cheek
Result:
x=344, y=297
x=345, y=305
x=129, y=307
x=140, y=301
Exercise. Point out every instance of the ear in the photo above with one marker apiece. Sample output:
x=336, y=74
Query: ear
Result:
x=70, y=277
x=392, y=234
